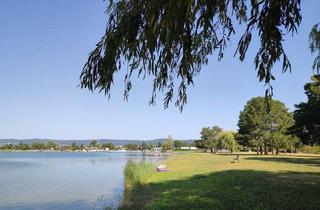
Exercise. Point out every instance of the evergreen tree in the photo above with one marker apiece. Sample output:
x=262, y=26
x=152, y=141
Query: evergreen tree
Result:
x=307, y=115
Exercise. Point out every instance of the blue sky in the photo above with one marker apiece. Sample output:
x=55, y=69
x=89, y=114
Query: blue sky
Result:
x=44, y=44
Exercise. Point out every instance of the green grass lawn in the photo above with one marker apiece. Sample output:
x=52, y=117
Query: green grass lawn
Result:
x=208, y=181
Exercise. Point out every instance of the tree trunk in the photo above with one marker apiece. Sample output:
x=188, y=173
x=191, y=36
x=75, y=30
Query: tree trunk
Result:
x=211, y=150
x=277, y=151
x=265, y=150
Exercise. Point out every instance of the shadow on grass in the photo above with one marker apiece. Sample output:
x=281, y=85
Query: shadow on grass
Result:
x=231, y=154
x=232, y=189
x=294, y=160
x=270, y=154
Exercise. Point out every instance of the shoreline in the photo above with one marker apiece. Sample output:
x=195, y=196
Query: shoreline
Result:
x=110, y=151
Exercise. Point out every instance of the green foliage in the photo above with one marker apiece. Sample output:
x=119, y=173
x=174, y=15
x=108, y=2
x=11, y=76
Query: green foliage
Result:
x=307, y=115
x=74, y=146
x=216, y=139
x=168, y=144
x=150, y=146
x=171, y=40
x=227, y=141
x=34, y=146
x=108, y=145
x=144, y=146
x=314, y=38
x=177, y=144
x=285, y=142
x=262, y=128
x=209, y=138
x=82, y=147
x=52, y=145
x=22, y=146
x=39, y=146
x=135, y=173
x=311, y=149
x=132, y=147
x=7, y=147
x=93, y=143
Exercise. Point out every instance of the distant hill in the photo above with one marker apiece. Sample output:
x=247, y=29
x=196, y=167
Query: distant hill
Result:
x=87, y=141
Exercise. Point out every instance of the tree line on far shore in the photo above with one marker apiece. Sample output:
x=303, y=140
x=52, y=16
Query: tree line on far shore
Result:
x=55, y=146
x=168, y=144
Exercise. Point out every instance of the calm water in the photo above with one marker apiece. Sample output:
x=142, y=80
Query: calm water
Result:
x=58, y=180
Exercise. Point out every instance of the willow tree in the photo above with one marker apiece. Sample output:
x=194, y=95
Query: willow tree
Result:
x=170, y=40
x=314, y=40
x=227, y=141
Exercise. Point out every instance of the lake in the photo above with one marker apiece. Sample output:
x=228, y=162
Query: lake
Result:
x=63, y=180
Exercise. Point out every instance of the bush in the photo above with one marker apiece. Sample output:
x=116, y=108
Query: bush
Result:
x=311, y=149
x=137, y=172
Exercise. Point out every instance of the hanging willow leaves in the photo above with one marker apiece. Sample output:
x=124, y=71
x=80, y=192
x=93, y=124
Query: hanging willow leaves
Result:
x=314, y=38
x=170, y=40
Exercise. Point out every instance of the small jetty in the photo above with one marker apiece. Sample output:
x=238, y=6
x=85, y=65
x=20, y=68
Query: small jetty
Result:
x=156, y=153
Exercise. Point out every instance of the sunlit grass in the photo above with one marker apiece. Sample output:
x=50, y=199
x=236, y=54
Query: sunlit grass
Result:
x=208, y=181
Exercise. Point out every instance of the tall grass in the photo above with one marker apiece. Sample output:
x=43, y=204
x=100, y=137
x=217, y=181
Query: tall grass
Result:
x=135, y=173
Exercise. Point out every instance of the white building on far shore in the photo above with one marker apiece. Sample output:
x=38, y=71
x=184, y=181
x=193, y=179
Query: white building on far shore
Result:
x=189, y=148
